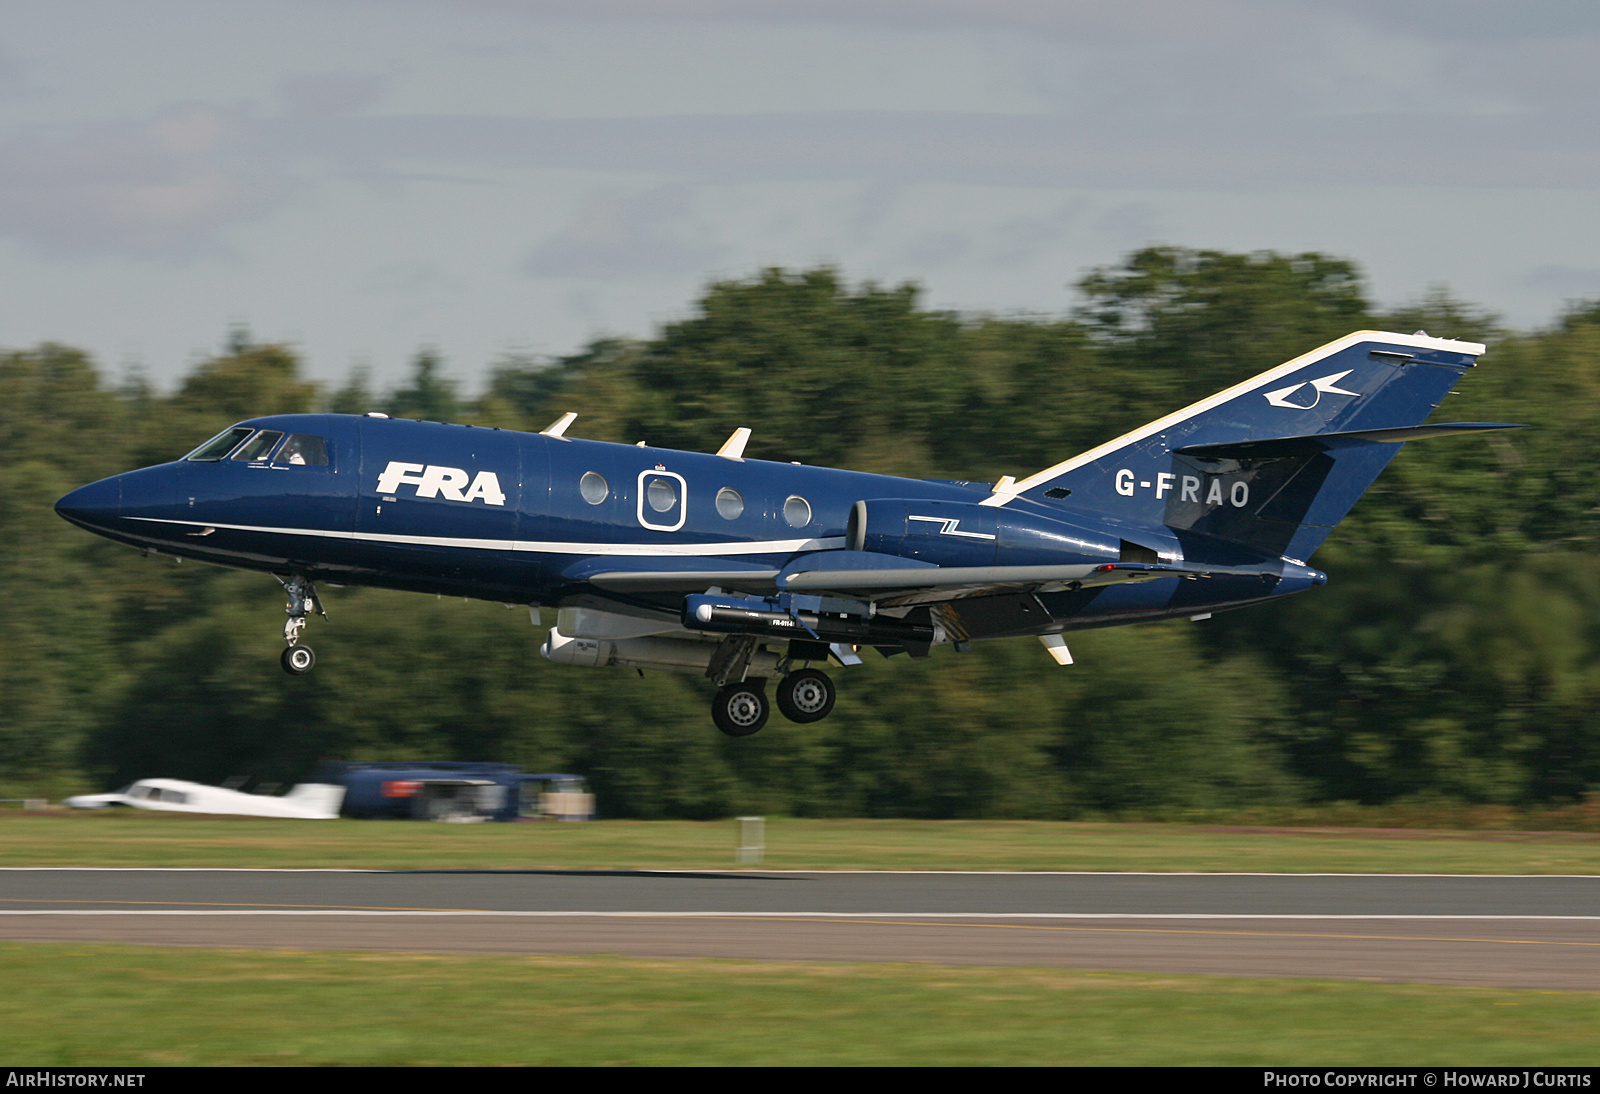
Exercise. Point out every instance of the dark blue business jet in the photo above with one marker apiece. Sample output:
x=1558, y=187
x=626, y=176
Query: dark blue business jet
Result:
x=742, y=570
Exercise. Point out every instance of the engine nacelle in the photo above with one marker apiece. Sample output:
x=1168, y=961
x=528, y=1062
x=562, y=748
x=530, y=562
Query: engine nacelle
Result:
x=963, y=534
x=660, y=654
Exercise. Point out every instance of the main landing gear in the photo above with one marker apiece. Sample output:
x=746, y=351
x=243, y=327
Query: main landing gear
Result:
x=740, y=709
x=806, y=696
x=298, y=660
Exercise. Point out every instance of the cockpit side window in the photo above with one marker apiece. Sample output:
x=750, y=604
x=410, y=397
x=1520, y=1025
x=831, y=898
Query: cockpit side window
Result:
x=219, y=446
x=303, y=450
x=259, y=447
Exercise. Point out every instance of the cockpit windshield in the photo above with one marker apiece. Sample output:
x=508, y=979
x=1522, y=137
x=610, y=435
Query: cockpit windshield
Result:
x=257, y=448
x=300, y=450
x=219, y=446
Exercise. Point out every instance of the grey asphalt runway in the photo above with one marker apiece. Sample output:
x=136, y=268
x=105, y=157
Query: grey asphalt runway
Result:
x=1534, y=932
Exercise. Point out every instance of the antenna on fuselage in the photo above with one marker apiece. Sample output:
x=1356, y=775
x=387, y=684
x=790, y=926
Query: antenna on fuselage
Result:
x=733, y=447
x=559, y=426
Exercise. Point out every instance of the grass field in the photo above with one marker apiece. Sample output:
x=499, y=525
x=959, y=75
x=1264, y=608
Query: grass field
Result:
x=128, y=1007
x=132, y=838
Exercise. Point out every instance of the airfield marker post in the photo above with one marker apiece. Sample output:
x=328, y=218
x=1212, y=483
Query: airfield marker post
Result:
x=752, y=839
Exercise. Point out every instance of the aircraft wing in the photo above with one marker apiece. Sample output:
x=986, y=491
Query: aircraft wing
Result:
x=933, y=584
x=687, y=581
x=673, y=574
x=889, y=586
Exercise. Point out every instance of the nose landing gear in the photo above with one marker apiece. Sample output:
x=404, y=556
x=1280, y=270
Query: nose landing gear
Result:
x=298, y=660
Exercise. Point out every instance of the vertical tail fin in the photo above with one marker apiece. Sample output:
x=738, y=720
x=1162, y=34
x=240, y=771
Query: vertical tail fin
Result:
x=1272, y=463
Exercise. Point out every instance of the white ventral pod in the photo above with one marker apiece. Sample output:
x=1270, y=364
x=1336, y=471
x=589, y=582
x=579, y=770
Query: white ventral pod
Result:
x=595, y=639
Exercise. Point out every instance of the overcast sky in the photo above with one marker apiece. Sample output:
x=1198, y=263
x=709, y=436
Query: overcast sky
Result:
x=362, y=178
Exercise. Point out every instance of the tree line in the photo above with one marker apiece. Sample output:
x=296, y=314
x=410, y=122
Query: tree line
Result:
x=1454, y=654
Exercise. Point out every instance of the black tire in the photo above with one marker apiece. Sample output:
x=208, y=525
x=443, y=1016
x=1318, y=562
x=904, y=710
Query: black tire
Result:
x=297, y=660
x=740, y=709
x=806, y=696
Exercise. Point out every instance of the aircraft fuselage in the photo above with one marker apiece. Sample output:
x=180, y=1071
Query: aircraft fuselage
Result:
x=502, y=515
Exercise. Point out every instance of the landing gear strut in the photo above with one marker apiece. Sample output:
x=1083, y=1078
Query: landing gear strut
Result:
x=806, y=696
x=740, y=709
x=297, y=660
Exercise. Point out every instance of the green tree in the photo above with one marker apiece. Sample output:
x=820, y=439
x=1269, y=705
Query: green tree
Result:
x=821, y=373
x=59, y=428
x=1193, y=318
x=430, y=396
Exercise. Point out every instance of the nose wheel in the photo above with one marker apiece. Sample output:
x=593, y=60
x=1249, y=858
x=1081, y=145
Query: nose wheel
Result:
x=298, y=660
x=740, y=709
x=806, y=696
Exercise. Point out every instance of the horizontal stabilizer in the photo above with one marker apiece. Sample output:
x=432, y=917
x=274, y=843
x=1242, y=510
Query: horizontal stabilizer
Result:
x=1311, y=443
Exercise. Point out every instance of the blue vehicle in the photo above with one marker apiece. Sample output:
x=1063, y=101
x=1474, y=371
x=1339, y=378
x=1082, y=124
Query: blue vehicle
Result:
x=444, y=789
x=746, y=570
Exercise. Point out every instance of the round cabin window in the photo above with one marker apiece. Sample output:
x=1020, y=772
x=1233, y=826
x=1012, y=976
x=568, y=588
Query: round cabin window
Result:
x=594, y=487
x=730, y=503
x=797, y=511
x=661, y=494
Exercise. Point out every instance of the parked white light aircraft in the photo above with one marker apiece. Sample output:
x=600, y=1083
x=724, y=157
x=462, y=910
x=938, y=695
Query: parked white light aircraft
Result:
x=306, y=801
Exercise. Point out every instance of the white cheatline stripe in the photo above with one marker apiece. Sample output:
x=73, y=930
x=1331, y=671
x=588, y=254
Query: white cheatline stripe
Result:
x=730, y=547
x=1038, y=478
x=435, y=913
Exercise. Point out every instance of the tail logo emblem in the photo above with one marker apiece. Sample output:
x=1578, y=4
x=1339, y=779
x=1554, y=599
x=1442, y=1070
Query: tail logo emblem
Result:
x=1323, y=385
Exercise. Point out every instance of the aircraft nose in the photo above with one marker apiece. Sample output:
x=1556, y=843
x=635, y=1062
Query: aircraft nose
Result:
x=94, y=506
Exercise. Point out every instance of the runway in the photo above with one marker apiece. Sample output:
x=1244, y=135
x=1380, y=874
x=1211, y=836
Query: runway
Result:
x=1519, y=931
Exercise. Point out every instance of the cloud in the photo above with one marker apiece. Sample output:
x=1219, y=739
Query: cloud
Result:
x=411, y=279
x=1150, y=94
x=617, y=234
x=1481, y=20
x=12, y=82
x=1569, y=282
x=937, y=247
x=330, y=93
x=1258, y=147
x=161, y=187
x=1126, y=21
x=1188, y=56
